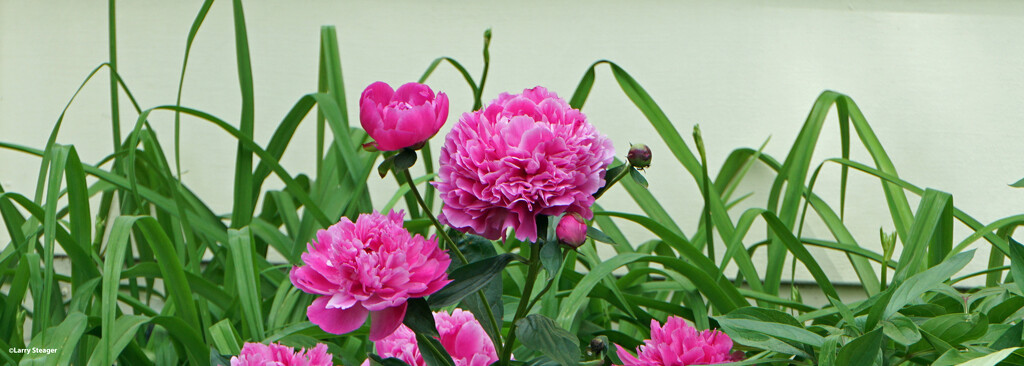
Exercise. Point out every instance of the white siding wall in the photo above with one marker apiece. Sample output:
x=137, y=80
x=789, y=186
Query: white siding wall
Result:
x=940, y=82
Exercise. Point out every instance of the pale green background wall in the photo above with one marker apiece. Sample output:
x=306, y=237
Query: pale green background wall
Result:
x=940, y=82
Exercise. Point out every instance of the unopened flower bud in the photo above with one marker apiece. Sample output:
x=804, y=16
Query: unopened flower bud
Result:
x=572, y=230
x=598, y=346
x=639, y=156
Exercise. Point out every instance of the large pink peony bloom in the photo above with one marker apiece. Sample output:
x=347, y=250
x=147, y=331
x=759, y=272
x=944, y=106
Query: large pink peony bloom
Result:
x=370, y=267
x=259, y=354
x=397, y=119
x=679, y=344
x=461, y=335
x=523, y=155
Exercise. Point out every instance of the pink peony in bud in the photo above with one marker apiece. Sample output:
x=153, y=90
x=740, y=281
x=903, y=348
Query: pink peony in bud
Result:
x=521, y=156
x=639, y=156
x=572, y=230
x=259, y=354
x=679, y=344
x=407, y=117
x=371, y=266
x=461, y=335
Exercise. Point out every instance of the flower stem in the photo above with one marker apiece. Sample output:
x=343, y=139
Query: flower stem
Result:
x=455, y=248
x=524, y=302
x=440, y=229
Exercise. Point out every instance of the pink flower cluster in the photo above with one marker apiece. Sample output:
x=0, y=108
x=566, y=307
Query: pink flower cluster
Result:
x=259, y=354
x=461, y=335
x=521, y=156
x=371, y=266
x=679, y=344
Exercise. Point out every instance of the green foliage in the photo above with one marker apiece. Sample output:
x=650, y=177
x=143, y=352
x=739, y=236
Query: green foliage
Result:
x=157, y=277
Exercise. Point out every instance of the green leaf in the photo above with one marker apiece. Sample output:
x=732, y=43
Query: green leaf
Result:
x=225, y=338
x=419, y=318
x=901, y=329
x=930, y=235
x=922, y=282
x=768, y=322
x=598, y=235
x=247, y=282
x=991, y=359
x=1010, y=338
x=390, y=361
x=1016, y=255
x=637, y=177
x=405, y=159
x=476, y=248
x=433, y=352
x=217, y=359
x=242, y=210
x=861, y=351
x=468, y=279
x=1019, y=184
x=385, y=166
x=61, y=338
x=540, y=333
x=551, y=256
x=124, y=331
x=957, y=328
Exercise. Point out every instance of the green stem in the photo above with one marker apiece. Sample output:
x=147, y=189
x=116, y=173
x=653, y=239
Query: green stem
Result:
x=524, y=301
x=455, y=249
x=440, y=229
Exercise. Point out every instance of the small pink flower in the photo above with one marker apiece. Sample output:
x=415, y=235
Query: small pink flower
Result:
x=679, y=344
x=407, y=117
x=572, y=230
x=259, y=354
x=523, y=155
x=370, y=267
x=462, y=337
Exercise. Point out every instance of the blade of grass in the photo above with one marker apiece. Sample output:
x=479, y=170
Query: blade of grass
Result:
x=242, y=209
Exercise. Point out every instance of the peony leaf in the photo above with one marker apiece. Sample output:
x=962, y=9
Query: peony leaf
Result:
x=390, y=361
x=385, y=166
x=598, y=235
x=637, y=177
x=551, y=256
x=433, y=352
x=468, y=279
x=540, y=333
x=419, y=318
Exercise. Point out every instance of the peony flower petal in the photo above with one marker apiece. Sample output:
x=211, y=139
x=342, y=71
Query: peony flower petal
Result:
x=310, y=281
x=384, y=322
x=413, y=93
x=404, y=118
x=378, y=92
x=520, y=156
x=336, y=321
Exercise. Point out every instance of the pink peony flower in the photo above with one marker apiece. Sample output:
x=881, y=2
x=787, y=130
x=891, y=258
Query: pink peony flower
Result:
x=370, y=267
x=523, y=155
x=679, y=344
x=407, y=117
x=259, y=354
x=572, y=230
x=461, y=335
